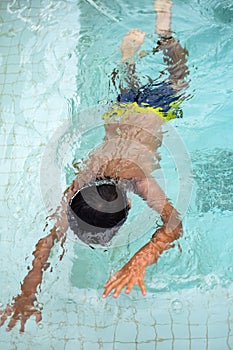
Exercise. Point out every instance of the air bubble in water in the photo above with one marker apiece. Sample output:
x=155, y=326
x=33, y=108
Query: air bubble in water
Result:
x=40, y=306
x=177, y=306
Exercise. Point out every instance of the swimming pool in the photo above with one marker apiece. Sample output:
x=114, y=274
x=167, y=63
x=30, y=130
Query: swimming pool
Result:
x=56, y=57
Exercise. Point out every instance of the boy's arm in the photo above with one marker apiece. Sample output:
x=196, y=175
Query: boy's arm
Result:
x=132, y=273
x=25, y=304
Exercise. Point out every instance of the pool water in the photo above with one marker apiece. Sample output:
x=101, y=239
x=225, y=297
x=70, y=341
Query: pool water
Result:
x=56, y=59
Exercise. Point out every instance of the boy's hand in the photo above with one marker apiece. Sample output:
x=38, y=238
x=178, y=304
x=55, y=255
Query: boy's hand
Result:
x=129, y=275
x=22, y=309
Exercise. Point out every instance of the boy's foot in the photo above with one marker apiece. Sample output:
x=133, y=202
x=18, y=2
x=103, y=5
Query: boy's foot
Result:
x=131, y=43
x=163, y=18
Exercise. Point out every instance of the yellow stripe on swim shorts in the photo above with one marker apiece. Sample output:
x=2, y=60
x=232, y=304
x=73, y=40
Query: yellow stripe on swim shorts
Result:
x=118, y=111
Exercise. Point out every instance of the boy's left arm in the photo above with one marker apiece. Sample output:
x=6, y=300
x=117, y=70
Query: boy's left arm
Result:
x=132, y=273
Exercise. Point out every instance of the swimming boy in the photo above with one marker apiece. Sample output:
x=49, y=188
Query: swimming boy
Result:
x=95, y=205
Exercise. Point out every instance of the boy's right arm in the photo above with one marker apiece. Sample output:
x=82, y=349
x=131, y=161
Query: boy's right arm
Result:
x=24, y=305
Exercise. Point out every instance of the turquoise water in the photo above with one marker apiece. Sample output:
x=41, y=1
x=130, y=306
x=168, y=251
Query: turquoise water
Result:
x=56, y=58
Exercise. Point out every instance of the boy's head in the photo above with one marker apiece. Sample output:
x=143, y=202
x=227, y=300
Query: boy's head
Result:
x=96, y=212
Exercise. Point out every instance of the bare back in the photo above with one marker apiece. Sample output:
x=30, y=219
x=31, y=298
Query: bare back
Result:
x=129, y=148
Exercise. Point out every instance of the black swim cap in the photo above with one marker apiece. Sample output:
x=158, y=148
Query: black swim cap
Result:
x=96, y=212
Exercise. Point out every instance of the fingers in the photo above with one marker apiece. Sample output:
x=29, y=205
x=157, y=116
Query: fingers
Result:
x=16, y=316
x=119, y=275
x=132, y=283
x=142, y=287
x=3, y=319
x=114, y=284
x=38, y=316
x=127, y=277
x=118, y=285
x=119, y=288
x=23, y=321
x=111, y=279
x=13, y=321
x=130, y=286
x=6, y=313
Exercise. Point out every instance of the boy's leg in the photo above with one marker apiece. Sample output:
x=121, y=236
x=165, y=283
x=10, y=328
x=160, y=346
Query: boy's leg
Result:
x=174, y=53
x=163, y=20
x=130, y=83
x=130, y=45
